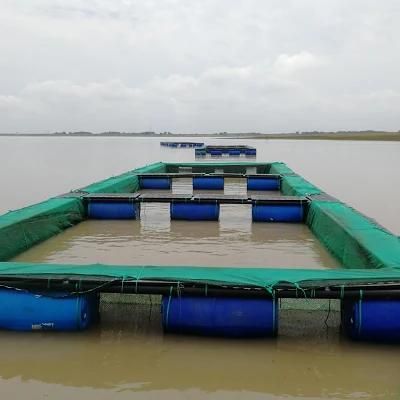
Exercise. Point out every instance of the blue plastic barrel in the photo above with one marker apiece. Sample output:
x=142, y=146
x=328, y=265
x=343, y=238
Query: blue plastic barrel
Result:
x=218, y=316
x=23, y=311
x=372, y=319
x=254, y=183
x=208, y=183
x=155, y=183
x=194, y=211
x=277, y=212
x=113, y=210
x=215, y=153
x=250, y=152
x=234, y=152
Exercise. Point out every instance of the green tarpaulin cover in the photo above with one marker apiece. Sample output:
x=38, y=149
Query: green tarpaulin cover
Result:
x=261, y=277
x=367, y=251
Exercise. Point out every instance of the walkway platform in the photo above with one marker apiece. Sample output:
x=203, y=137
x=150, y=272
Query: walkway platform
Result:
x=200, y=174
x=139, y=197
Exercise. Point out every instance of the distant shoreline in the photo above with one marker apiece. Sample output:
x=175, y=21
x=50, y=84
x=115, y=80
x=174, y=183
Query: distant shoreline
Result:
x=364, y=136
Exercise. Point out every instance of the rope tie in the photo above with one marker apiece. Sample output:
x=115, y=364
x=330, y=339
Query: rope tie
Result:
x=360, y=311
x=298, y=287
x=328, y=314
x=136, y=285
x=138, y=276
x=168, y=305
x=342, y=292
x=273, y=312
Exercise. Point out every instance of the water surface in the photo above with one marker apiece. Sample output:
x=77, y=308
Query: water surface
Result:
x=128, y=356
x=361, y=173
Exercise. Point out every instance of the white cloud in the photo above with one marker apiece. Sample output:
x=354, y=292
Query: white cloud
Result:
x=9, y=102
x=289, y=64
x=184, y=65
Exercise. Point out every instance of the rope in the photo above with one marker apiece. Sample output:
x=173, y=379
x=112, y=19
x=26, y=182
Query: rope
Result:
x=328, y=314
x=95, y=289
x=14, y=288
x=342, y=292
x=138, y=278
x=273, y=312
x=168, y=304
x=360, y=312
x=298, y=287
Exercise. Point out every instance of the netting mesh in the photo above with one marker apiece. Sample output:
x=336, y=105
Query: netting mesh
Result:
x=297, y=317
x=133, y=313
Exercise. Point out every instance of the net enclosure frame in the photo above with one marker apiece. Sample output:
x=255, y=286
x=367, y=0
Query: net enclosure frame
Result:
x=368, y=253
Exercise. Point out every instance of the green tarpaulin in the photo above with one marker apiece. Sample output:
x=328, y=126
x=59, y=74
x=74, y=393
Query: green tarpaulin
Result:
x=262, y=277
x=369, y=252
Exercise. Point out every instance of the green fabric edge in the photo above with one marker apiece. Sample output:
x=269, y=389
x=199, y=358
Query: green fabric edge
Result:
x=124, y=183
x=291, y=183
x=260, y=277
x=21, y=229
x=355, y=240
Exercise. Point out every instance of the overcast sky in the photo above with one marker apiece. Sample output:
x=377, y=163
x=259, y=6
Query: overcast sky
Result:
x=199, y=65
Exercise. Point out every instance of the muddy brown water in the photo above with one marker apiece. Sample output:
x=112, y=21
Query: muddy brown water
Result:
x=128, y=356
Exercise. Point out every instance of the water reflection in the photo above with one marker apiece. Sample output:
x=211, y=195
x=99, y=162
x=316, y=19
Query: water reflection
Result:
x=136, y=356
x=155, y=239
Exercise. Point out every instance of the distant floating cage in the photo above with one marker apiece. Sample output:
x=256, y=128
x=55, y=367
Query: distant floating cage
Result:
x=182, y=144
x=226, y=150
x=202, y=300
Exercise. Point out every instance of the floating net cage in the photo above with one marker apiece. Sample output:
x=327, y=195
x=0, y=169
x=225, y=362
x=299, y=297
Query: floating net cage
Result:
x=364, y=293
